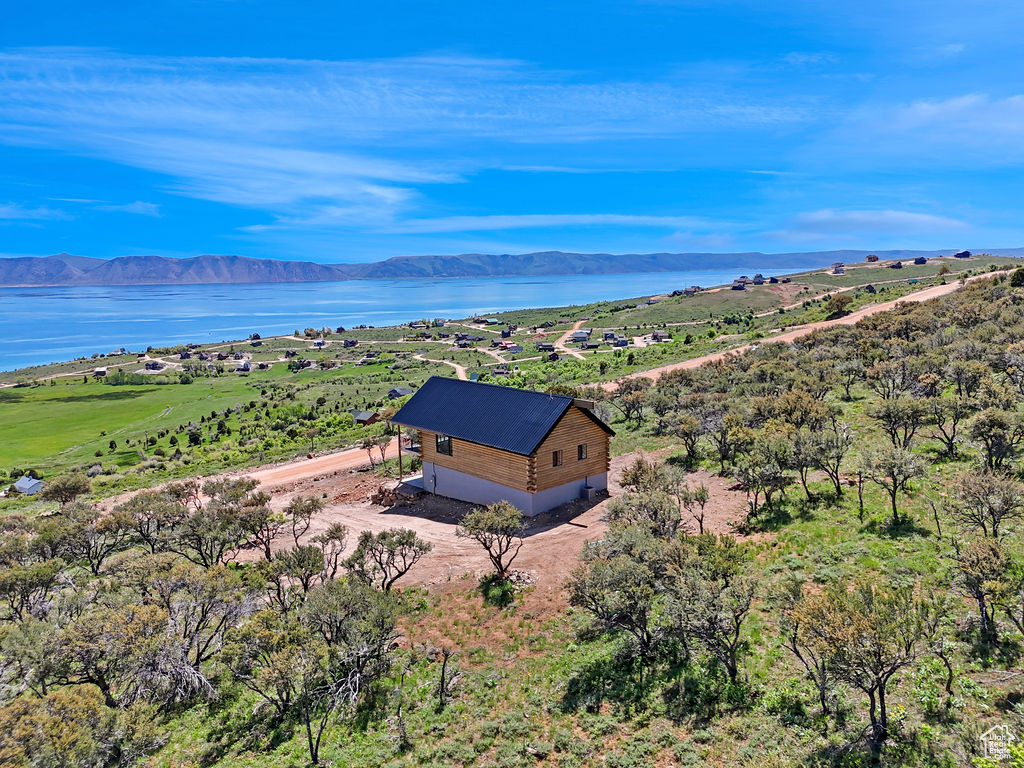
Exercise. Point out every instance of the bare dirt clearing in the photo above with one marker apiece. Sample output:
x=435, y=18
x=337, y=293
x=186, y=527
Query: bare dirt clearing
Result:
x=551, y=546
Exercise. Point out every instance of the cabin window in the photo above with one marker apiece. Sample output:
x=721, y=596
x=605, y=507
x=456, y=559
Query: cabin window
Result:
x=581, y=451
x=444, y=444
x=556, y=458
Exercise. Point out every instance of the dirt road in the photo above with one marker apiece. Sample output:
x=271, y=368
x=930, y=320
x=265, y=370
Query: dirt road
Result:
x=795, y=333
x=301, y=469
x=460, y=371
x=560, y=344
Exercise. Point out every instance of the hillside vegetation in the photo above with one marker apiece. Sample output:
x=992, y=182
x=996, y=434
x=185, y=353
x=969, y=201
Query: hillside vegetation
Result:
x=866, y=609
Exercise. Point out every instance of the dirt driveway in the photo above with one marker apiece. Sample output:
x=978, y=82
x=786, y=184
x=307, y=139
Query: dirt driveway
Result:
x=552, y=543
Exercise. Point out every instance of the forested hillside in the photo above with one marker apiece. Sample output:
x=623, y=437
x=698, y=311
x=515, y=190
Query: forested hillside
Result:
x=866, y=606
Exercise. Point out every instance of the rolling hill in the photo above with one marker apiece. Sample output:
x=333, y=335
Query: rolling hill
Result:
x=65, y=269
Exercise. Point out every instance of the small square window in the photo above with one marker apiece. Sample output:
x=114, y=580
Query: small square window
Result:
x=581, y=451
x=556, y=458
x=444, y=445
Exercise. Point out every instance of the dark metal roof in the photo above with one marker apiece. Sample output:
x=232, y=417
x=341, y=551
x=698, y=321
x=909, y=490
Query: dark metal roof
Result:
x=514, y=420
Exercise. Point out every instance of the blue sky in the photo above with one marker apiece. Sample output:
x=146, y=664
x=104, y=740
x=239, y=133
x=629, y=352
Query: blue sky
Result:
x=357, y=131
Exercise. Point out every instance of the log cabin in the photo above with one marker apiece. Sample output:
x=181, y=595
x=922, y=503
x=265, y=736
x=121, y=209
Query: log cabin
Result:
x=484, y=443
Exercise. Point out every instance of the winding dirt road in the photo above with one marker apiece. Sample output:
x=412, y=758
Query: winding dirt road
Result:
x=460, y=370
x=795, y=333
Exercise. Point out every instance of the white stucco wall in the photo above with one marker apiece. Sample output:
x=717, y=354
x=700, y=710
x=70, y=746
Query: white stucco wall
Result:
x=476, y=490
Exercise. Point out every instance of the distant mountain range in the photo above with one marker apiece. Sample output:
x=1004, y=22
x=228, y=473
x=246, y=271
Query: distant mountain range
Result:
x=65, y=269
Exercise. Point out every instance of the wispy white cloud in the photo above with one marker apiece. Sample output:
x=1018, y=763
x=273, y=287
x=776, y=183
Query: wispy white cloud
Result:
x=828, y=223
x=319, y=141
x=13, y=211
x=806, y=58
x=532, y=221
x=139, y=207
x=964, y=130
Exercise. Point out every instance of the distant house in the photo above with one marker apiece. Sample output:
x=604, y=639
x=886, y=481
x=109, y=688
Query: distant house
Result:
x=185, y=356
x=839, y=268
x=661, y=336
x=590, y=344
x=545, y=346
x=920, y=260
x=463, y=344
x=513, y=349
x=318, y=344
x=553, y=357
x=962, y=255
x=506, y=333
x=581, y=335
x=653, y=300
x=364, y=417
x=203, y=356
x=608, y=335
x=738, y=285
x=417, y=325
x=544, y=451
x=264, y=366
x=621, y=341
x=256, y=343
x=29, y=486
x=757, y=280
x=349, y=343
x=154, y=365
x=396, y=392
x=872, y=258
x=896, y=265
x=243, y=367
x=239, y=356
x=773, y=280
x=99, y=372
x=784, y=280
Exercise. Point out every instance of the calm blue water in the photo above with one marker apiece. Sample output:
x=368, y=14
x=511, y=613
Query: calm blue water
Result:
x=45, y=325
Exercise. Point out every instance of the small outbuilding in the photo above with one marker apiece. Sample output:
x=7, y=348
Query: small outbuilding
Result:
x=396, y=392
x=484, y=443
x=29, y=486
x=364, y=417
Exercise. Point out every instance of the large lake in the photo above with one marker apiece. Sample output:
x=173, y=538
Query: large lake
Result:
x=44, y=325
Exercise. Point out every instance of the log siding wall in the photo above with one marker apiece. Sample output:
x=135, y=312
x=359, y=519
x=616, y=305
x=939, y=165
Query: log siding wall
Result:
x=502, y=467
x=529, y=473
x=572, y=429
